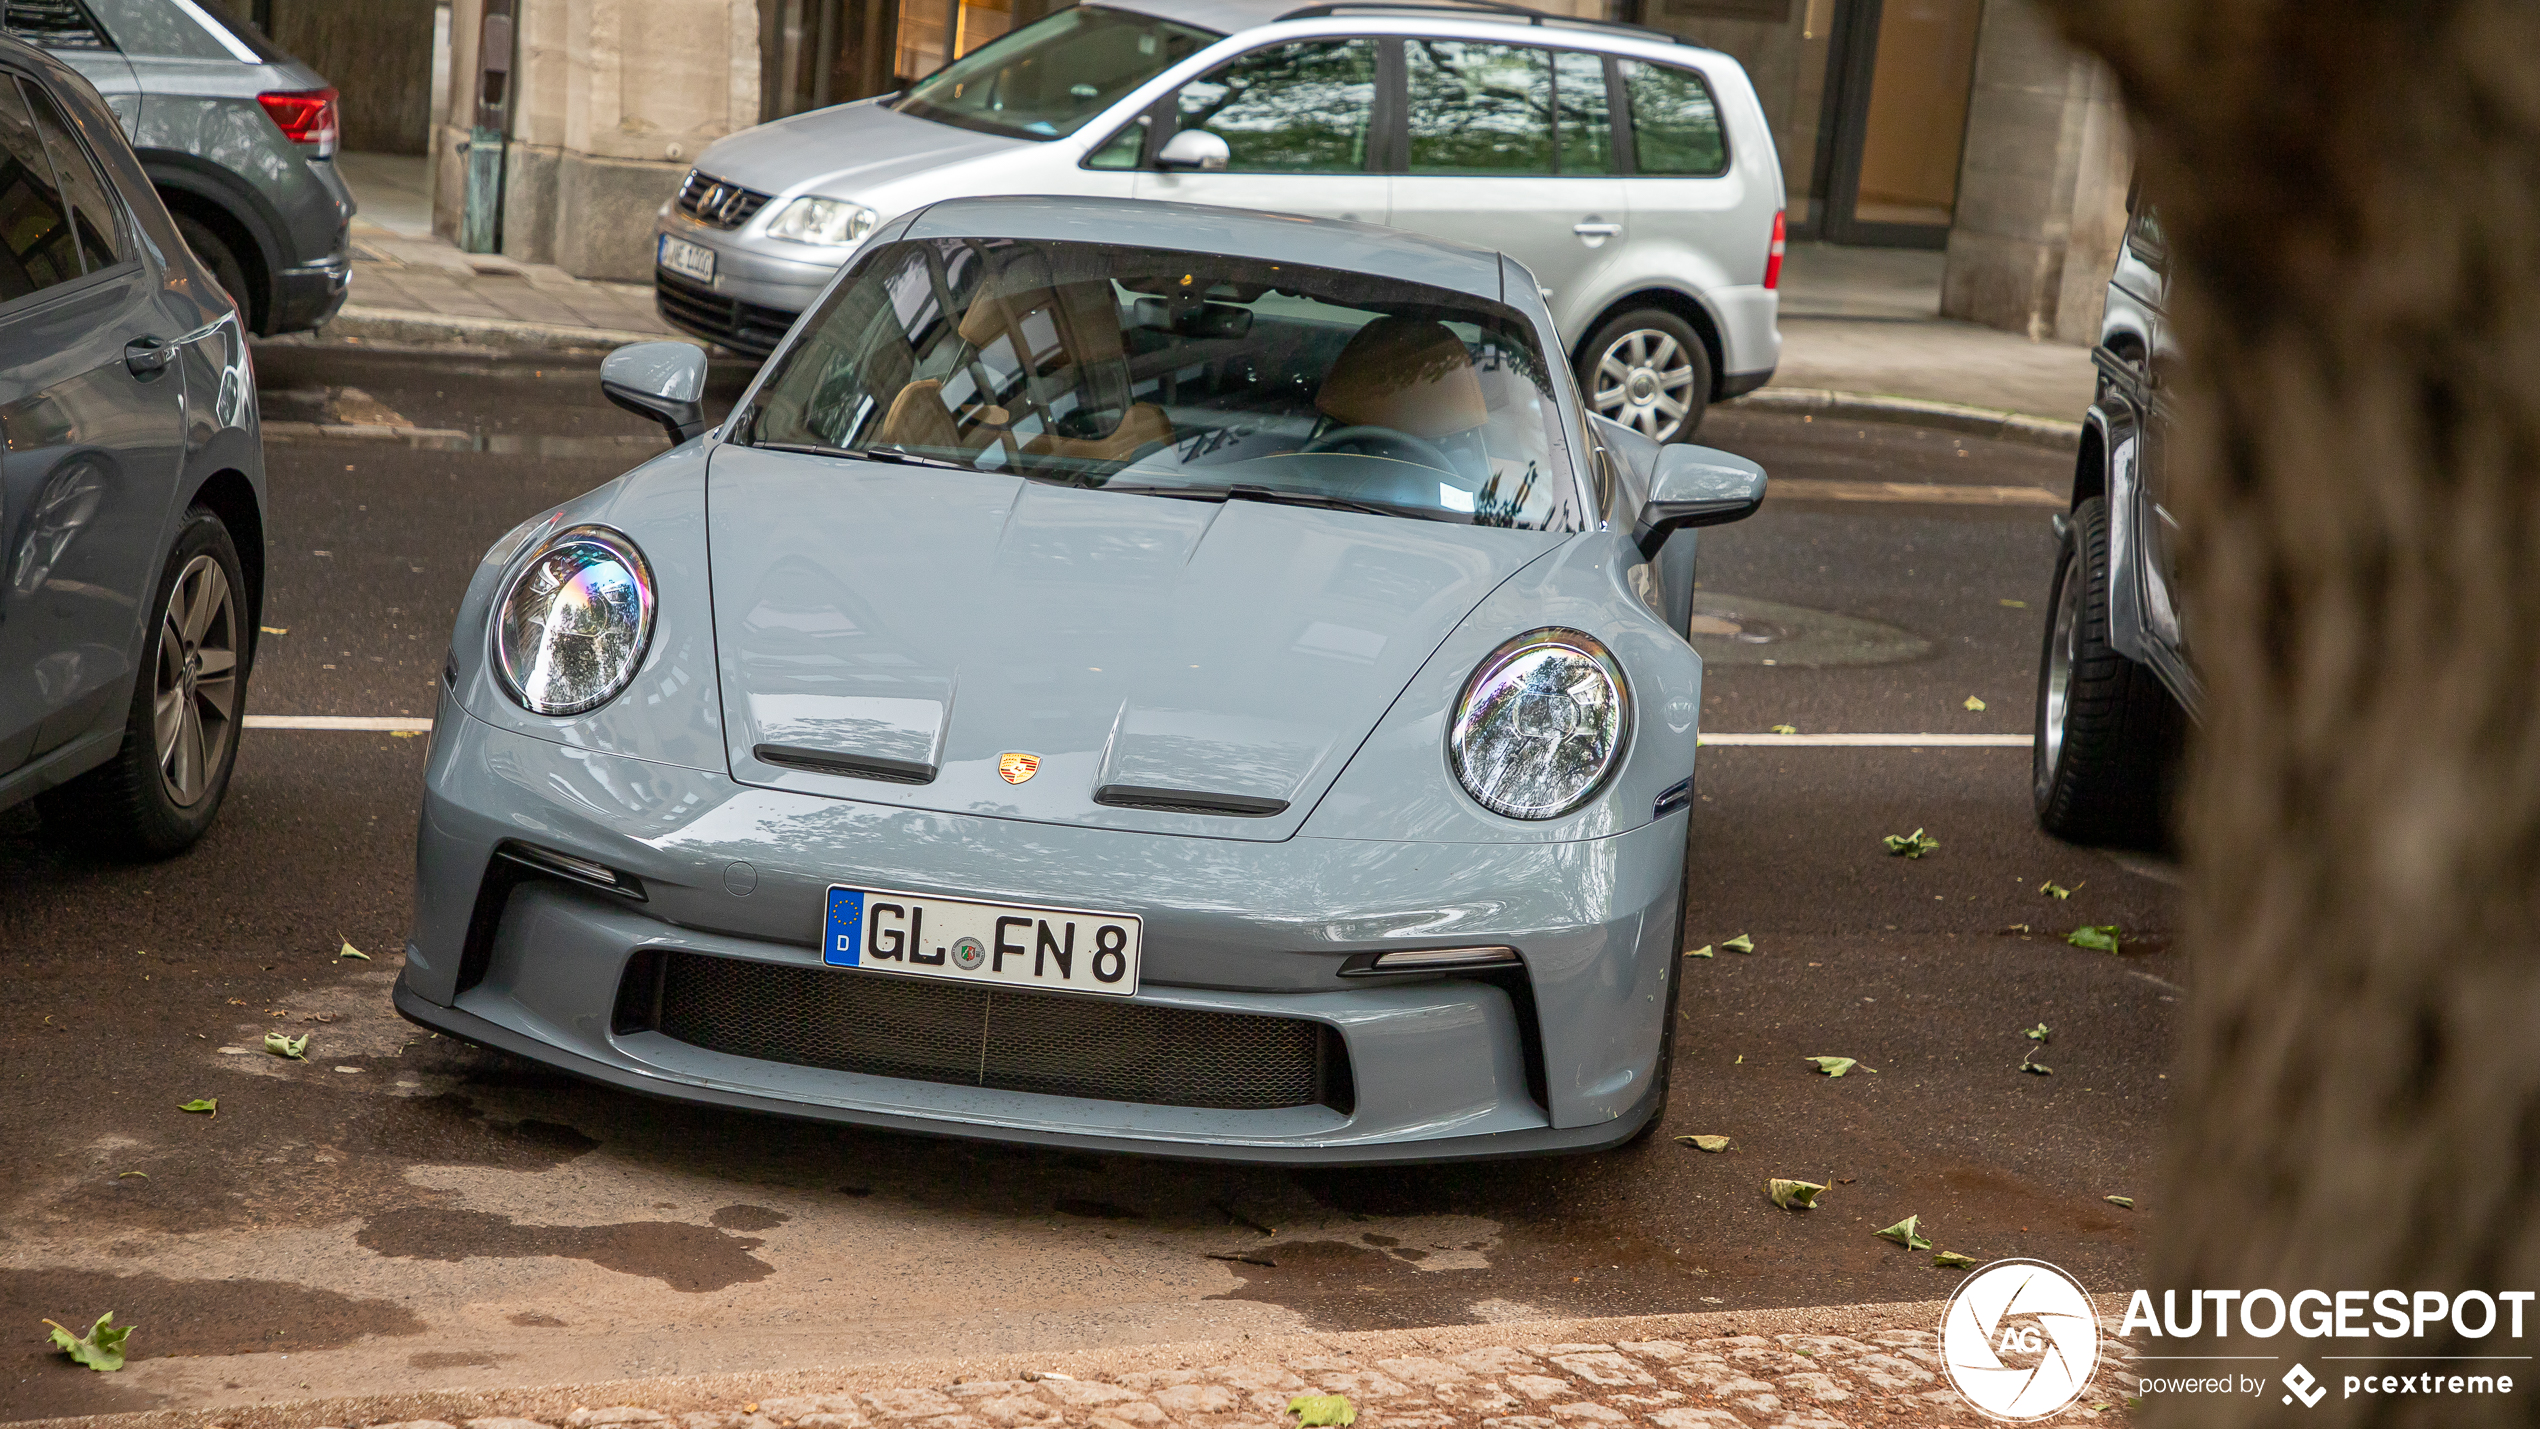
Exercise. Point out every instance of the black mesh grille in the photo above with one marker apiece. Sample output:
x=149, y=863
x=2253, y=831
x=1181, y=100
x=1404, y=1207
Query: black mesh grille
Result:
x=985, y=1037
x=717, y=204
x=743, y=327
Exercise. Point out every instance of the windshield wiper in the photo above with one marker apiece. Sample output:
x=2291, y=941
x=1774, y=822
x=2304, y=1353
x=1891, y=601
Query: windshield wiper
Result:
x=897, y=458
x=1285, y=496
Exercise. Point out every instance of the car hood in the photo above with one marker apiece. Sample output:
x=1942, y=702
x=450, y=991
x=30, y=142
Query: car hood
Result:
x=844, y=151
x=1032, y=644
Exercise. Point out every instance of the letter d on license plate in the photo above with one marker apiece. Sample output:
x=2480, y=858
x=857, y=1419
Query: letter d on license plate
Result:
x=1009, y=944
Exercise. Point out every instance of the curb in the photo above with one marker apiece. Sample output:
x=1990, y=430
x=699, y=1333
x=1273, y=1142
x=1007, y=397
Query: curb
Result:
x=1918, y=412
x=498, y=334
x=673, y=1394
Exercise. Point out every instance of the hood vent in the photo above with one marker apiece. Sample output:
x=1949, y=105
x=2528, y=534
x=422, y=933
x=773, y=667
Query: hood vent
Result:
x=1188, y=801
x=854, y=766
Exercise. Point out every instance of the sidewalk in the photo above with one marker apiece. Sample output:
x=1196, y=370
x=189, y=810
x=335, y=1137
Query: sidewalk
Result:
x=1827, y=1367
x=1856, y=323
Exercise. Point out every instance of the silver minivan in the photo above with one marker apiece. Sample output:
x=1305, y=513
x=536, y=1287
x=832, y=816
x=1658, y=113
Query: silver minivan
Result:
x=1633, y=173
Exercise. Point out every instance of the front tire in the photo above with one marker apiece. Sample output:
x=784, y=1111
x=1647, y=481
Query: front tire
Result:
x=1649, y=371
x=164, y=786
x=2106, y=725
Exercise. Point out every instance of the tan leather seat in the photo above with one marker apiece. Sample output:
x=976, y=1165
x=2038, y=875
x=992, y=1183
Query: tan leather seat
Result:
x=1067, y=338
x=1410, y=374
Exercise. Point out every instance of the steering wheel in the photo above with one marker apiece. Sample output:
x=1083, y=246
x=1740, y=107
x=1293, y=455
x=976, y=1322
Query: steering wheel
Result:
x=1428, y=454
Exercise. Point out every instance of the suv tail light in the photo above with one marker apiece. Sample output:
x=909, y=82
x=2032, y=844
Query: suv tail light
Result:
x=305, y=116
x=1773, y=262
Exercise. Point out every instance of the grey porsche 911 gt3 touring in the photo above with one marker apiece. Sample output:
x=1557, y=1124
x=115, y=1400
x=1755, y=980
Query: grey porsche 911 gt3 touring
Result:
x=1133, y=676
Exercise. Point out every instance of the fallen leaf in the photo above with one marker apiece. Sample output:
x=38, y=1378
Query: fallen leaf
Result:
x=1705, y=1143
x=124, y=1175
x=2015, y=604
x=209, y=1104
x=1313, y=1409
x=1903, y=1234
x=1792, y=1195
x=349, y=951
x=275, y=629
x=2017, y=928
x=2040, y=1068
x=2040, y=1033
x=1701, y=952
x=293, y=1048
x=1785, y=729
x=405, y=734
x=1974, y=704
x=101, y=1349
x=1837, y=1066
x=1913, y=845
x=2125, y=1201
x=2052, y=889
x=2100, y=938
x=1740, y=944
x=1952, y=1260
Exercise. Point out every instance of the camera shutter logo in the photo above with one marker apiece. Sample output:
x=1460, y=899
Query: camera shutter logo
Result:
x=2020, y=1339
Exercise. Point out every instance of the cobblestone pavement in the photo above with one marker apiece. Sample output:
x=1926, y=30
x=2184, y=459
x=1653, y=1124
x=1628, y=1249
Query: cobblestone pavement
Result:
x=1880, y=1377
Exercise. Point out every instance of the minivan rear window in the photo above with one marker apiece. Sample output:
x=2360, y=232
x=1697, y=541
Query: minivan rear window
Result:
x=1675, y=124
x=1053, y=76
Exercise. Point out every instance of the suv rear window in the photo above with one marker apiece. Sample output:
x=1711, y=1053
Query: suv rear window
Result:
x=1055, y=75
x=53, y=24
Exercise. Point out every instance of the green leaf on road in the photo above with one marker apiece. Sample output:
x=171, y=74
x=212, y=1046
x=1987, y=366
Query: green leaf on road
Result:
x=1837, y=1066
x=2014, y=604
x=2101, y=938
x=292, y=1048
x=1913, y=845
x=1792, y=1195
x=2125, y=1201
x=1903, y=1234
x=1740, y=944
x=101, y=1349
x=1701, y=952
x=1975, y=704
x=2040, y=1068
x=1785, y=729
x=2052, y=889
x=349, y=951
x=2040, y=1033
x=1313, y=1409
x=1705, y=1143
x=209, y=1104
x=1952, y=1260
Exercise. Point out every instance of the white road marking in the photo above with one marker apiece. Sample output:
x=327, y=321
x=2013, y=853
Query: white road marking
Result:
x=372, y=723
x=1876, y=741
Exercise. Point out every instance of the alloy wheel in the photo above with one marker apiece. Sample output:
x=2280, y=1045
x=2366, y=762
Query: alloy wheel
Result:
x=194, y=709
x=1644, y=380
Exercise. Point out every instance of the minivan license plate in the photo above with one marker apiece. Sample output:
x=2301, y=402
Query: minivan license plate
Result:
x=1008, y=944
x=691, y=260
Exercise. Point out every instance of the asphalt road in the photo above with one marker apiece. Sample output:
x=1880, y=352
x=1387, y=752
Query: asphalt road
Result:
x=402, y=1211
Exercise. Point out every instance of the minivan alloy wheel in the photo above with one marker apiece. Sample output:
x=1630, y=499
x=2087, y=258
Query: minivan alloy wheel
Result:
x=194, y=709
x=1644, y=379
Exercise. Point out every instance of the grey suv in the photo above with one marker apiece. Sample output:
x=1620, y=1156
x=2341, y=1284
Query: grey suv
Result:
x=2114, y=684
x=132, y=547
x=1634, y=174
x=237, y=136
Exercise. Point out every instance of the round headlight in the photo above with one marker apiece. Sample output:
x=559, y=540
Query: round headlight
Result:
x=1541, y=723
x=572, y=628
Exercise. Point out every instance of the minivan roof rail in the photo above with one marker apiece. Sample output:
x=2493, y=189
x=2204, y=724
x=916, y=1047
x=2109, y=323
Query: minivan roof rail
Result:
x=1484, y=9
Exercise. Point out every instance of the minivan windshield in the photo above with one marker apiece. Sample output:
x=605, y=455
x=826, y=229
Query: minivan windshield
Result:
x=1054, y=75
x=1168, y=373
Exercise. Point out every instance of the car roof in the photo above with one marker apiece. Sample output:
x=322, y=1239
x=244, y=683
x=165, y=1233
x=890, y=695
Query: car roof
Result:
x=1236, y=232
x=1236, y=16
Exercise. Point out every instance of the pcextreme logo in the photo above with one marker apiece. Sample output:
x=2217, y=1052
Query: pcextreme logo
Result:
x=2020, y=1340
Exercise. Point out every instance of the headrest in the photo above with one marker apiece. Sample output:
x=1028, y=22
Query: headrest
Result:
x=1410, y=374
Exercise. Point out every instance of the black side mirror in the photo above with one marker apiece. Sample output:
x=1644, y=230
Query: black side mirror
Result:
x=1696, y=486
x=665, y=381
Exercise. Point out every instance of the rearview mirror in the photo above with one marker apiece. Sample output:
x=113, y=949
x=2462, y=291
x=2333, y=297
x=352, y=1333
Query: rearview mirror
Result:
x=1193, y=149
x=665, y=381
x=1696, y=486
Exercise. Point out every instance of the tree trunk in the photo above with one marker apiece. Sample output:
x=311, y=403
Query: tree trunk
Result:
x=2352, y=194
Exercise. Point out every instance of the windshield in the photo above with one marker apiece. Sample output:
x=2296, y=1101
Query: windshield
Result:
x=1052, y=76
x=1179, y=374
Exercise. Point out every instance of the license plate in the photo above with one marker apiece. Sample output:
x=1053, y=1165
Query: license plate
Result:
x=1008, y=944
x=692, y=260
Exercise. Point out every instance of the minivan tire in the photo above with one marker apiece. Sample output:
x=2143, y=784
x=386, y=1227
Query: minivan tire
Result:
x=220, y=258
x=126, y=808
x=2107, y=729
x=1655, y=357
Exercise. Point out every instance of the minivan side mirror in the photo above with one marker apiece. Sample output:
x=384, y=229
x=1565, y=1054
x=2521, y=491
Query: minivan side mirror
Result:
x=1696, y=486
x=1193, y=149
x=665, y=381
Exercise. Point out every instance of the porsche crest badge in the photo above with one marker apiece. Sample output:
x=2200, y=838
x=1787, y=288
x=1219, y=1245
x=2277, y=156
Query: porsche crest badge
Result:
x=1015, y=766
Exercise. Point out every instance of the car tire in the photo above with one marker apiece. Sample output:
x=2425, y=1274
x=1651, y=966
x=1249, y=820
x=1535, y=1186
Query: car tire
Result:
x=218, y=256
x=160, y=792
x=2107, y=729
x=1649, y=371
